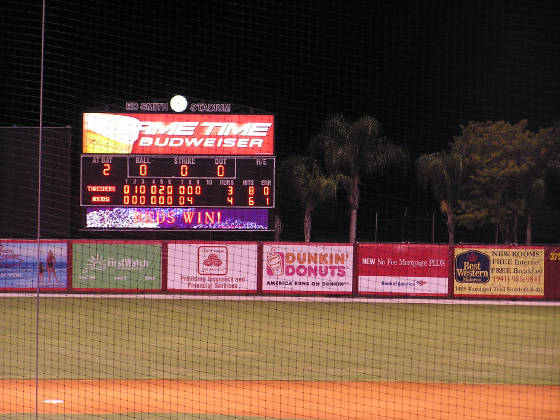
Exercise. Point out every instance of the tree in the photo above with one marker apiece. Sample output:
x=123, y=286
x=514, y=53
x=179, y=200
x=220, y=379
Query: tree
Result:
x=310, y=185
x=506, y=175
x=443, y=171
x=351, y=150
x=550, y=138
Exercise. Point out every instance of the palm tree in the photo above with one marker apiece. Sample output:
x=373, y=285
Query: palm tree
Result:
x=444, y=172
x=535, y=197
x=351, y=150
x=310, y=184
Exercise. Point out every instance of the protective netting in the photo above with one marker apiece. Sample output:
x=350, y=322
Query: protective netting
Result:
x=244, y=275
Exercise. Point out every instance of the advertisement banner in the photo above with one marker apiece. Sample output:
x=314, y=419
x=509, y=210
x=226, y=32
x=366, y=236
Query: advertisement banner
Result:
x=128, y=218
x=178, y=134
x=307, y=268
x=404, y=269
x=212, y=267
x=24, y=264
x=508, y=271
x=552, y=272
x=119, y=266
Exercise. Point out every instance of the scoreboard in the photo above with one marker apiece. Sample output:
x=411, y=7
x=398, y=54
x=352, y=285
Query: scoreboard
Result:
x=177, y=181
x=183, y=170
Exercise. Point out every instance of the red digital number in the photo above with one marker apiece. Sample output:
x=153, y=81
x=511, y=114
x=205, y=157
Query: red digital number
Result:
x=106, y=169
x=143, y=170
x=266, y=193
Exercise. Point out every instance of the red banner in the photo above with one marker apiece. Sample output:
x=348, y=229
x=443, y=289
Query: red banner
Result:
x=552, y=272
x=183, y=134
x=405, y=269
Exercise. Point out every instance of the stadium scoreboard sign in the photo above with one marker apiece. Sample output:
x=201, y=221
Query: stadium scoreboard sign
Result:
x=187, y=134
x=183, y=170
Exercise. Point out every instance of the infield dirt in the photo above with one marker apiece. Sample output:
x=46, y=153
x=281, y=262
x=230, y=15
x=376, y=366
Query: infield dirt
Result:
x=283, y=399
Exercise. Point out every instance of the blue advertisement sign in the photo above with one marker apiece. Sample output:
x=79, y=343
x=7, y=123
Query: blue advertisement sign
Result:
x=472, y=266
x=26, y=264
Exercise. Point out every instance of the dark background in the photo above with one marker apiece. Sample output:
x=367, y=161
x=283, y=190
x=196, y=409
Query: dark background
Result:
x=19, y=183
x=422, y=68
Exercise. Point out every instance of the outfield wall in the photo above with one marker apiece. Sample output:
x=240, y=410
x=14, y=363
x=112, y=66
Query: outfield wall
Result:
x=364, y=269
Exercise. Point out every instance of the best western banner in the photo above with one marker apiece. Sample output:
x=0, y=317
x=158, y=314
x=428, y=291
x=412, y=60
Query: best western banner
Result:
x=407, y=269
x=184, y=134
x=212, y=267
x=499, y=271
x=116, y=266
x=26, y=264
x=307, y=268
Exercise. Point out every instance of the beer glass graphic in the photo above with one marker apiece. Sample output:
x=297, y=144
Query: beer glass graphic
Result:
x=274, y=263
x=109, y=133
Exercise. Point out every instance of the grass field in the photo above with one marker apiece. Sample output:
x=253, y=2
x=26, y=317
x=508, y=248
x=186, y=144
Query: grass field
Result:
x=125, y=338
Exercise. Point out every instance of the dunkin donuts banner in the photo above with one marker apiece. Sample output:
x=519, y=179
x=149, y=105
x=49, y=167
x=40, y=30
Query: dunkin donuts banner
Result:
x=307, y=268
x=184, y=134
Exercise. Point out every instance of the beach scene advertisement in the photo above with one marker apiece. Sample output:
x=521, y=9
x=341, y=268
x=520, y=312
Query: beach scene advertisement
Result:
x=26, y=265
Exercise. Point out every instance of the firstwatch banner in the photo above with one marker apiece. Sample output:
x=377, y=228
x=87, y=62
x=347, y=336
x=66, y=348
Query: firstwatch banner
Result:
x=118, y=266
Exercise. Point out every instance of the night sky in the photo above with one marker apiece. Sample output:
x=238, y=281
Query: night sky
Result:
x=422, y=68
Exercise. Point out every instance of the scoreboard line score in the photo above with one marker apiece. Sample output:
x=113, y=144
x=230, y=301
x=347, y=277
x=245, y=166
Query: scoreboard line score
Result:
x=177, y=181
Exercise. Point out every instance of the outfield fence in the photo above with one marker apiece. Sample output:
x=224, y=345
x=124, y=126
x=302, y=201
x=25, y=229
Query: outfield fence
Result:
x=362, y=269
